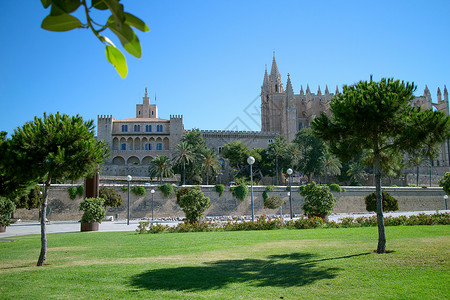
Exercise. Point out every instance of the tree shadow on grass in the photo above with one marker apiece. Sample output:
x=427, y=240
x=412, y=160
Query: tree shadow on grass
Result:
x=295, y=269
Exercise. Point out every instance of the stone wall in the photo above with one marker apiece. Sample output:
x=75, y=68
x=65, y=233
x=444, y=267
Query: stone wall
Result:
x=349, y=201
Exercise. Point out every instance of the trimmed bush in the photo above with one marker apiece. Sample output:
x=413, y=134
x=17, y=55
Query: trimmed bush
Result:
x=269, y=188
x=111, y=197
x=389, y=202
x=138, y=190
x=273, y=202
x=319, y=201
x=183, y=191
x=265, y=195
x=34, y=199
x=166, y=189
x=240, y=191
x=194, y=203
x=220, y=188
x=75, y=191
x=335, y=187
x=7, y=207
x=93, y=209
x=444, y=182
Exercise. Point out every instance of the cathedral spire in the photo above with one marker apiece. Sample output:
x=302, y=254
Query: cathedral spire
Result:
x=426, y=91
x=307, y=89
x=266, y=78
x=319, y=92
x=274, y=70
x=301, y=90
x=289, y=88
x=326, y=89
x=445, y=93
x=337, y=90
x=439, y=95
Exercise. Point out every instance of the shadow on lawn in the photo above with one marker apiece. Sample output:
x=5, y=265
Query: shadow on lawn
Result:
x=295, y=269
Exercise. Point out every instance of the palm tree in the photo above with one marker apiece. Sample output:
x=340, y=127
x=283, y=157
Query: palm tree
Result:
x=210, y=161
x=160, y=167
x=331, y=165
x=356, y=171
x=183, y=154
x=278, y=150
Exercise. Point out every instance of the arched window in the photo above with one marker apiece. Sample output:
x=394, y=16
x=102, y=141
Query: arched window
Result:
x=148, y=128
x=159, y=146
x=124, y=128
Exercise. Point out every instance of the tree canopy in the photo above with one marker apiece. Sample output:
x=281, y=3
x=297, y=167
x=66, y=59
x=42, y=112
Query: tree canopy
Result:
x=55, y=147
x=378, y=116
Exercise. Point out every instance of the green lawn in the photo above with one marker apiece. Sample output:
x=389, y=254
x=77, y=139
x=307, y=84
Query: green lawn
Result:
x=293, y=264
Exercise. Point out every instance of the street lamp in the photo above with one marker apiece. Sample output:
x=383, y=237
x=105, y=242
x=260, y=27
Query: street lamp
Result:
x=289, y=172
x=128, y=210
x=251, y=161
x=445, y=199
x=153, y=192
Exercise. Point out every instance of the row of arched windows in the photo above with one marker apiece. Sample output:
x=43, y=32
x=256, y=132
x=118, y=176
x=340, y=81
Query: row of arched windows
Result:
x=140, y=144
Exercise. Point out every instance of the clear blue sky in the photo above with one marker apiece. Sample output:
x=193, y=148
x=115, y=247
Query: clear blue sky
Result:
x=206, y=59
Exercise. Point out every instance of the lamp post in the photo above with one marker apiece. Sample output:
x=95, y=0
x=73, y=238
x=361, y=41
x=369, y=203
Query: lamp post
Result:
x=153, y=192
x=445, y=199
x=128, y=210
x=251, y=161
x=289, y=172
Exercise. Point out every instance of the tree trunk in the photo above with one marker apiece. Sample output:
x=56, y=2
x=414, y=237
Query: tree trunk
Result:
x=431, y=162
x=43, y=254
x=381, y=232
x=276, y=165
x=262, y=177
x=207, y=176
x=184, y=172
x=417, y=176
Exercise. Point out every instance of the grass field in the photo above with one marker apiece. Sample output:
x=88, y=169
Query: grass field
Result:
x=292, y=264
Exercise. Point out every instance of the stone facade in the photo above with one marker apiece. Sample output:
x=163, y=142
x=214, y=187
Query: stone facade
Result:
x=284, y=112
x=136, y=141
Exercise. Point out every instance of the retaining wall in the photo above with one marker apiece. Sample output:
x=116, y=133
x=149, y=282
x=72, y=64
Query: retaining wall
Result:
x=349, y=201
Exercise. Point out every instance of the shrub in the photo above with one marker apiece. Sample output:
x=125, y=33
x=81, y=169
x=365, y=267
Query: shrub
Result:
x=269, y=188
x=394, y=185
x=93, y=210
x=389, y=202
x=196, y=179
x=166, y=189
x=412, y=185
x=34, y=199
x=7, y=207
x=138, y=190
x=444, y=182
x=288, y=188
x=335, y=187
x=183, y=191
x=194, y=203
x=220, y=188
x=273, y=202
x=111, y=197
x=265, y=195
x=75, y=191
x=308, y=223
x=319, y=201
x=240, y=191
x=124, y=188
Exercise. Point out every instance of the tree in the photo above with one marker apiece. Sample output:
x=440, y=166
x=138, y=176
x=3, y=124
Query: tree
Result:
x=61, y=18
x=111, y=197
x=195, y=140
x=311, y=152
x=278, y=153
x=319, y=201
x=160, y=167
x=356, y=172
x=193, y=203
x=378, y=116
x=210, y=162
x=55, y=147
x=444, y=182
x=331, y=165
x=183, y=154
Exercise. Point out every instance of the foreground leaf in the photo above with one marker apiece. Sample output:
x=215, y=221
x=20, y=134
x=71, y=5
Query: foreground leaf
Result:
x=137, y=23
x=62, y=22
x=116, y=58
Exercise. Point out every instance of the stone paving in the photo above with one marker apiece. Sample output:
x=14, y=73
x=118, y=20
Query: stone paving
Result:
x=33, y=227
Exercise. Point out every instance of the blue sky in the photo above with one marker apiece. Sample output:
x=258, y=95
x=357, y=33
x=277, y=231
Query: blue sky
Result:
x=205, y=60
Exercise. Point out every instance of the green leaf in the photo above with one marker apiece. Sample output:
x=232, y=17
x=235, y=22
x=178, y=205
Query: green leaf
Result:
x=127, y=37
x=137, y=23
x=116, y=58
x=68, y=6
x=46, y=3
x=63, y=22
x=116, y=9
x=99, y=4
